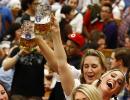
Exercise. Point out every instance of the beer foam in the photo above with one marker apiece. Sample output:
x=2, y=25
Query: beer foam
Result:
x=44, y=20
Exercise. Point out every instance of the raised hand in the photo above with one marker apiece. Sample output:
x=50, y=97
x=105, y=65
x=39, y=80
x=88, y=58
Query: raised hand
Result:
x=54, y=26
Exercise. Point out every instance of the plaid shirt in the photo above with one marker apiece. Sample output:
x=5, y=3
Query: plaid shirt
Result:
x=123, y=29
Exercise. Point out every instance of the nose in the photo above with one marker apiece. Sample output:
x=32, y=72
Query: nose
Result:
x=89, y=69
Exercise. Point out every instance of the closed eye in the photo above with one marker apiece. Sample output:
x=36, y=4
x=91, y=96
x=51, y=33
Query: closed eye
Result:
x=94, y=66
x=120, y=81
x=86, y=65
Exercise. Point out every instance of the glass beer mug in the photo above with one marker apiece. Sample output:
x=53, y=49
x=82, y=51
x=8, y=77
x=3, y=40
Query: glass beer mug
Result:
x=27, y=38
x=42, y=20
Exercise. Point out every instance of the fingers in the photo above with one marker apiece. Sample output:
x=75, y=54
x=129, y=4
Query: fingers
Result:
x=54, y=21
x=23, y=51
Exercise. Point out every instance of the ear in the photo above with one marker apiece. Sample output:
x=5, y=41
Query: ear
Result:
x=127, y=86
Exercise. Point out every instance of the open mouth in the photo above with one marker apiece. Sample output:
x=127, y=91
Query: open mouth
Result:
x=110, y=85
x=90, y=77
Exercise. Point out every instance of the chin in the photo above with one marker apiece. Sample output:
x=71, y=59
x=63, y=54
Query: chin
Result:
x=89, y=82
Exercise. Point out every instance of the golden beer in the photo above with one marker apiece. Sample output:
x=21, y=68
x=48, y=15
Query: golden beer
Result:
x=42, y=20
x=27, y=38
x=27, y=44
x=43, y=27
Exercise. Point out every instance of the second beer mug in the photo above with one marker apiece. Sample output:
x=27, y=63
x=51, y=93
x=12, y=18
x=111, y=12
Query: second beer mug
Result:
x=27, y=37
x=42, y=19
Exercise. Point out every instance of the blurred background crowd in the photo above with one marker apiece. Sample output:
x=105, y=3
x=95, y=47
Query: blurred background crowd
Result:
x=102, y=25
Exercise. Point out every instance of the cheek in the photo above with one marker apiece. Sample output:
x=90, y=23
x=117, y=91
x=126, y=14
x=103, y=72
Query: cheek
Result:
x=75, y=5
x=104, y=15
x=115, y=64
x=84, y=70
x=116, y=89
x=98, y=71
x=5, y=96
x=71, y=50
x=99, y=68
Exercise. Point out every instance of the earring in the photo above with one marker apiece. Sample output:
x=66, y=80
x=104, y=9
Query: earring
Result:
x=98, y=83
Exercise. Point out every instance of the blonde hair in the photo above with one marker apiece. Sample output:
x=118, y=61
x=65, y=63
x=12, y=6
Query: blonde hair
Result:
x=89, y=90
x=97, y=82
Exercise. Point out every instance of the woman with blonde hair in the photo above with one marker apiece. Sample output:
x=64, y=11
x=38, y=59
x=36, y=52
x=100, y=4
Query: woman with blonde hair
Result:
x=87, y=92
x=110, y=83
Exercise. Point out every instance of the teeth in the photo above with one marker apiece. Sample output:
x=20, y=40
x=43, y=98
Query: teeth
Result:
x=110, y=84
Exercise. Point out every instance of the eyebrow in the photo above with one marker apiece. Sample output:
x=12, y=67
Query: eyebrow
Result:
x=117, y=75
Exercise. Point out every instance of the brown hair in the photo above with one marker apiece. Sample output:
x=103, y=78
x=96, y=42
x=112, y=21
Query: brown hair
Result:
x=124, y=55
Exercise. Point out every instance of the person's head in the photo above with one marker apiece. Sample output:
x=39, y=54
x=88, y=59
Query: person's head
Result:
x=51, y=2
x=15, y=6
x=120, y=58
x=92, y=66
x=66, y=12
x=29, y=4
x=102, y=2
x=74, y=43
x=3, y=93
x=111, y=83
x=73, y=3
x=86, y=92
x=106, y=12
x=101, y=43
x=99, y=39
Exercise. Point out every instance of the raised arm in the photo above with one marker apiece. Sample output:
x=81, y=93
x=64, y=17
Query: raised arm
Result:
x=65, y=74
x=48, y=53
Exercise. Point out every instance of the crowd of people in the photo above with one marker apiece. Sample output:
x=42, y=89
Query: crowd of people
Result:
x=71, y=61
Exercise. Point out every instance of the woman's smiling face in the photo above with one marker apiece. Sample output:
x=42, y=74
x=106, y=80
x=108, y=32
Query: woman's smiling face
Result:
x=112, y=83
x=92, y=69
